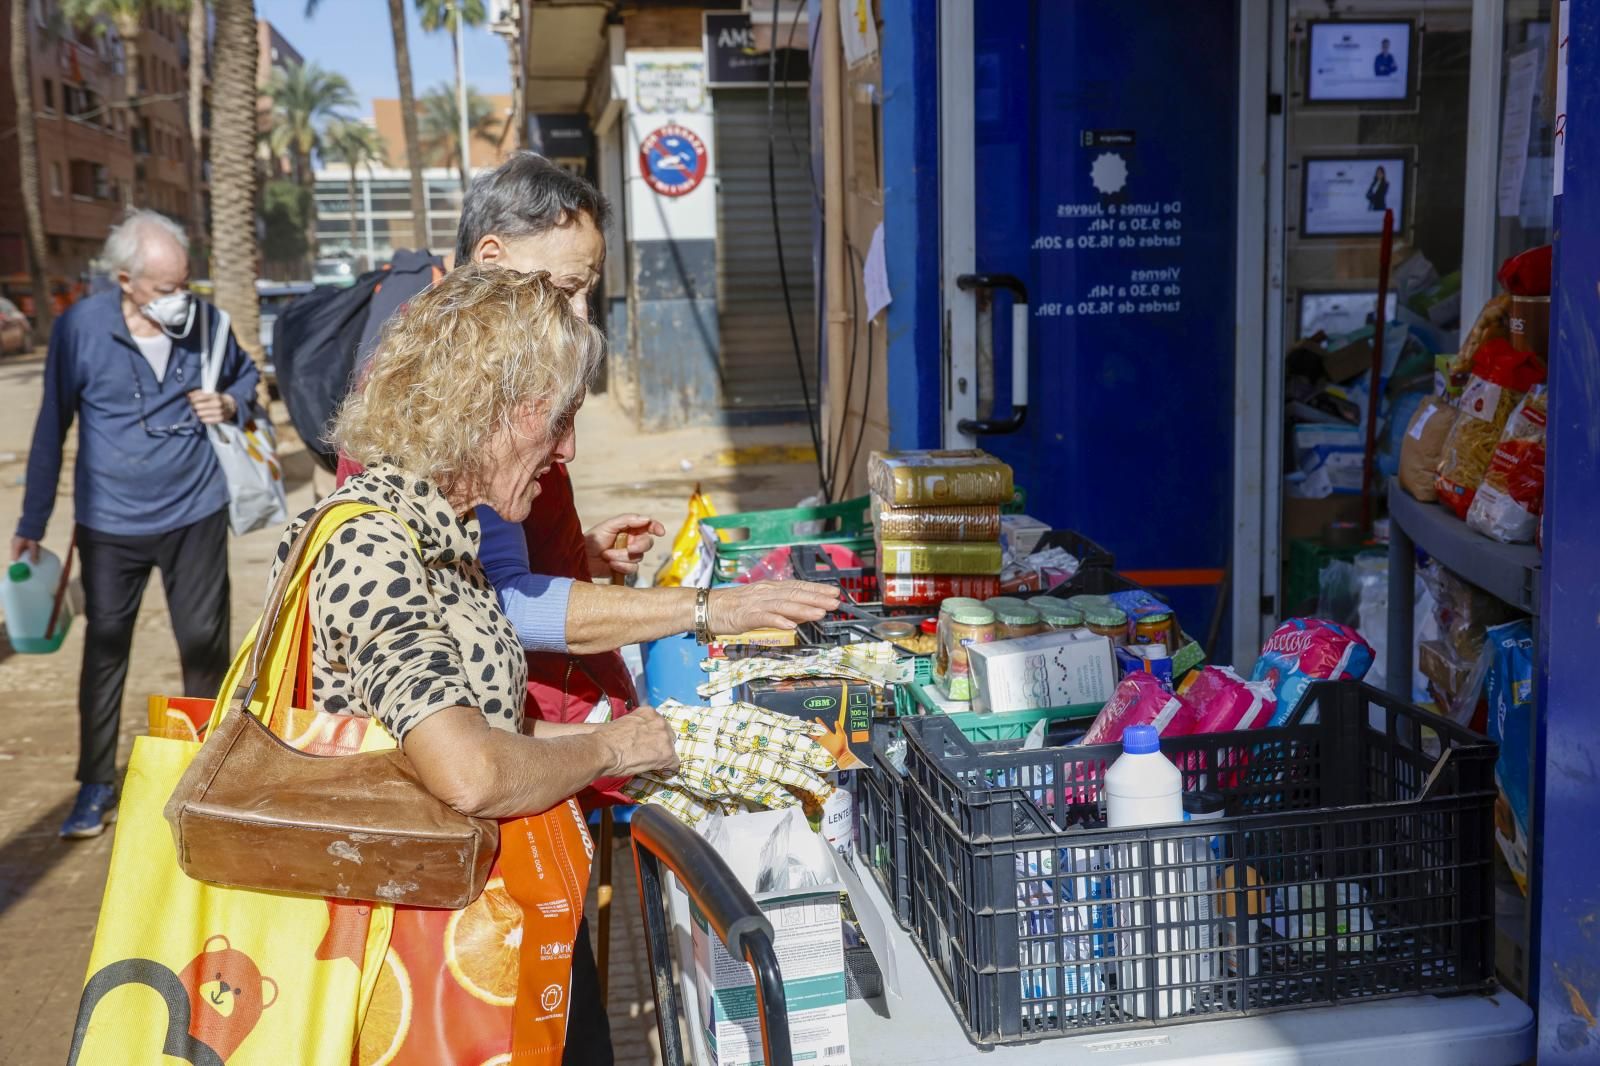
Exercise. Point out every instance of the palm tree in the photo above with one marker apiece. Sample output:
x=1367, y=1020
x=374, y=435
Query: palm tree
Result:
x=356, y=145
x=233, y=170
x=28, y=165
x=304, y=99
x=198, y=27
x=450, y=16
x=408, y=113
x=441, y=123
x=127, y=17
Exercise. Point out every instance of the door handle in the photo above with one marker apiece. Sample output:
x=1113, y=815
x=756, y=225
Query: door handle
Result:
x=984, y=284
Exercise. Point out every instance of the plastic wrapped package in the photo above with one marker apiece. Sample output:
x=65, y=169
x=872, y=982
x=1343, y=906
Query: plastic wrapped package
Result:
x=1463, y=610
x=1303, y=650
x=939, y=478
x=1510, y=691
x=1454, y=682
x=1500, y=377
x=1222, y=701
x=935, y=557
x=1338, y=593
x=1140, y=699
x=1422, y=447
x=977, y=522
x=927, y=590
x=1494, y=321
x=1508, y=503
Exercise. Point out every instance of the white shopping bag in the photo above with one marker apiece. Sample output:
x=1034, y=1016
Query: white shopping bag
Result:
x=248, y=453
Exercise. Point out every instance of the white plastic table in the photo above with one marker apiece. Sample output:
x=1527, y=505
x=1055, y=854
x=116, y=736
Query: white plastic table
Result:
x=919, y=1028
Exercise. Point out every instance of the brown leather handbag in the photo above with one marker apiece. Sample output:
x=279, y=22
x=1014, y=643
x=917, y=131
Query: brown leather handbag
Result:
x=255, y=813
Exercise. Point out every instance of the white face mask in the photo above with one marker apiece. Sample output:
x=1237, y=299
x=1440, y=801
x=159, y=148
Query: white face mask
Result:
x=174, y=311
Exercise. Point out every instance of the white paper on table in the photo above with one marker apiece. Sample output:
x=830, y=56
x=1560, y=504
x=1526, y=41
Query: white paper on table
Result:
x=1522, y=71
x=1564, y=20
x=875, y=276
x=858, y=31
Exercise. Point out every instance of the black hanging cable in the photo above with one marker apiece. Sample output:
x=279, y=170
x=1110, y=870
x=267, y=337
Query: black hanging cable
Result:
x=783, y=270
x=866, y=401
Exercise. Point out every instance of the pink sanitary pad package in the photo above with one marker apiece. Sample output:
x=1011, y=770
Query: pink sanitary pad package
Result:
x=1140, y=700
x=1222, y=701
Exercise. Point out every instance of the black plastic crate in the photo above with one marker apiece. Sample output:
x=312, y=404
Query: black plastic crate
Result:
x=881, y=821
x=1090, y=556
x=1356, y=861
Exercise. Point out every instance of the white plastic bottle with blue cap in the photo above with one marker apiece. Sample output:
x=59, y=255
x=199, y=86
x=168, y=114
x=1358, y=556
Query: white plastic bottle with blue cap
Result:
x=28, y=597
x=1143, y=787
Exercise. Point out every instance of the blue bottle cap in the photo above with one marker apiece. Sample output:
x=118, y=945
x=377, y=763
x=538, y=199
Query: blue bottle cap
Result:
x=1140, y=740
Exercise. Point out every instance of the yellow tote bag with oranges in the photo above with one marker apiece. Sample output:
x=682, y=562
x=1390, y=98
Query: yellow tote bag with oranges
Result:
x=220, y=976
x=463, y=987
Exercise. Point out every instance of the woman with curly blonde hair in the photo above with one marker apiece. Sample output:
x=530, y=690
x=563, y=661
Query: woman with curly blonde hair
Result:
x=469, y=402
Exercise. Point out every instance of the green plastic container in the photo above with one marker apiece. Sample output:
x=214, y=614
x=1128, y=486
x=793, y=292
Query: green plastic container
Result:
x=1004, y=725
x=1307, y=557
x=743, y=538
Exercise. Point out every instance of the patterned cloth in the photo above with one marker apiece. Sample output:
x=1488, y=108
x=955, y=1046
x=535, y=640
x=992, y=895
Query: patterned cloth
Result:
x=734, y=757
x=871, y=662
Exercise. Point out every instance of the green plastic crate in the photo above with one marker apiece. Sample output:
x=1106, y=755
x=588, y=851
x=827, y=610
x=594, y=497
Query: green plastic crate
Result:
x=1003, y=725
x=1307, y=557
x=745, y=537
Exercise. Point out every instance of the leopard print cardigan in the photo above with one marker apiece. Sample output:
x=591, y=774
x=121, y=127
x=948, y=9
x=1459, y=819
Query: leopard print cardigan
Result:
x=396, y=635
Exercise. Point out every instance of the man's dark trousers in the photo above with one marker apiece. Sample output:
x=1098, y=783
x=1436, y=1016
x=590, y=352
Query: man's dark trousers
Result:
x=114, y=570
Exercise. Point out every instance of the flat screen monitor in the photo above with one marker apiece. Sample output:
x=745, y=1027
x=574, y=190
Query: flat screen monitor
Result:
x=1335, y=313
x=1346, y=196
x=1358, y=62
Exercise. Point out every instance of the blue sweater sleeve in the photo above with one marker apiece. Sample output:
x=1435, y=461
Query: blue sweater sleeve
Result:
x=50, y=432
x=535, y=603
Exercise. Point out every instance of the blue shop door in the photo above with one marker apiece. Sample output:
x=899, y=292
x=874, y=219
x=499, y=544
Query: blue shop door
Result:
x=1105, y=178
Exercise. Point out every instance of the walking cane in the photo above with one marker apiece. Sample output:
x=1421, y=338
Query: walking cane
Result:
x=602, y=896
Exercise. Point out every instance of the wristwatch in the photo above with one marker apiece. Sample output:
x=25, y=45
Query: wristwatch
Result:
x=702, y=616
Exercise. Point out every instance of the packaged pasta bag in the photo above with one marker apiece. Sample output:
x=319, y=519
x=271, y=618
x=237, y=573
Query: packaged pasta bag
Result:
x=1508, y=503
x=1493, y=321
x=1500, y=377
x=1422, y=446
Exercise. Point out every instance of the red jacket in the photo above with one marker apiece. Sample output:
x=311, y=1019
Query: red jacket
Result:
x=563, y=687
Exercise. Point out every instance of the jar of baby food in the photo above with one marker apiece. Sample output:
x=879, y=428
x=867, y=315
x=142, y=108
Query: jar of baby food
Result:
x=1016, y=621
x=941, y=652
x=968, y=625
x=1108, y=622
x=1056, y=613
x=1154, y=628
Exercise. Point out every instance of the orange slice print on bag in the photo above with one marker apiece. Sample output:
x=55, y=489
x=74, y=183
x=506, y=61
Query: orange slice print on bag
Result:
x=389, y=1018
x=482, y=945
x=179, y=727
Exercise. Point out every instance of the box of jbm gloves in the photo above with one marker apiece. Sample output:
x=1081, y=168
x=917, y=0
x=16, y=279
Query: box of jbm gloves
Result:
x=845, y=708
x=787, y=869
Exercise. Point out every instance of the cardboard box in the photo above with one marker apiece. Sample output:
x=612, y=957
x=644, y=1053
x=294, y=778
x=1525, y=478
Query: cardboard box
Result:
x=845, y=708
x=1020, y=534
x=1058, y=669
x=1307, y=518
x=808, y=941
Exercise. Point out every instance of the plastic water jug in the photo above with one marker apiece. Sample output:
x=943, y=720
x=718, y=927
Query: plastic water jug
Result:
x=28, y=596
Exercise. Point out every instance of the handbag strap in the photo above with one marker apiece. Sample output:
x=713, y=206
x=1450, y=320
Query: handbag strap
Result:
x=214, y=347
x=275, y=625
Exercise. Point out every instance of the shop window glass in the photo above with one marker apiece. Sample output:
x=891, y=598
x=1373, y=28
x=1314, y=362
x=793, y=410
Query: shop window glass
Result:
x=1527, y=129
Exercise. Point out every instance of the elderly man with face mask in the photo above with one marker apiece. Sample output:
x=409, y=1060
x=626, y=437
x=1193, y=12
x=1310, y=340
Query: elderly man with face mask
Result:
x=147, y=489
